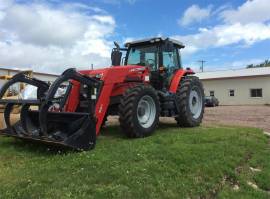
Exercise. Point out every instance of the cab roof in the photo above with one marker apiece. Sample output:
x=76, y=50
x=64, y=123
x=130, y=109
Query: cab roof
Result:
x=154, y=40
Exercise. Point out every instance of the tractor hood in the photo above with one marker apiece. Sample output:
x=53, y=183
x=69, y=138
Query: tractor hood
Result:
x=102, y=73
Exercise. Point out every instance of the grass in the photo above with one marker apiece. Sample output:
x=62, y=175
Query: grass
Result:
x=173, y=163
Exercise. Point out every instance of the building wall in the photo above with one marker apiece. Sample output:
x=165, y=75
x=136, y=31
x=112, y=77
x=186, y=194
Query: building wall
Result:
x=241, y=88
x=44, y=77
x=1, y=83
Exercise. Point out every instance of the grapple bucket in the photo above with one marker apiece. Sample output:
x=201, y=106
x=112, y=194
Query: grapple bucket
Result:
x=38, y=119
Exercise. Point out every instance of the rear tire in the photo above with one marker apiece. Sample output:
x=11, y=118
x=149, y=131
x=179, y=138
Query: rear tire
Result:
x=139, y=111
x=190, y=95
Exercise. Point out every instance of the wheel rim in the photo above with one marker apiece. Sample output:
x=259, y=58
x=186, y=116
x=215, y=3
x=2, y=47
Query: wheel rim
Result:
x=195, y=102
x=146, y=111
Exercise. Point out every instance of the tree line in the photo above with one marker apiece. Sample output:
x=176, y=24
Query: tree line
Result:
x=266, y=63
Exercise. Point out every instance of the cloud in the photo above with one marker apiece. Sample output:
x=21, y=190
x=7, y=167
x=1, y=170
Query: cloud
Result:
x=5, y=3
x=244, y=63
x=49, y=39
x=118, y=2
x=239, y=64
x=51, y=59
x=195, y=14
x=234, y=29
x=223, y=35
x=256, y=11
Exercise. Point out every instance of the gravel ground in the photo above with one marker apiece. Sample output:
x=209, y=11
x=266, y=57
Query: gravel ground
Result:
x=251, y=116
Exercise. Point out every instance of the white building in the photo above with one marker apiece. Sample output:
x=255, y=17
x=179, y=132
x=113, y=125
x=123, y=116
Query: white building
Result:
x=238, y=87
x=42, y=76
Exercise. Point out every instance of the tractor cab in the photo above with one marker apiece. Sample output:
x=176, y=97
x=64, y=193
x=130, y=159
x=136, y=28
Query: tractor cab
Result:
x=160, y=55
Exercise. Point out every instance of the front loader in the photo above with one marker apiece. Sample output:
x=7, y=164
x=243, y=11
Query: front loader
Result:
x=151, y=83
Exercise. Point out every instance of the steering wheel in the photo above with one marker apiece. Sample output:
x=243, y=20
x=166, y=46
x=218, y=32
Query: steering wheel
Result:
x=141, y=64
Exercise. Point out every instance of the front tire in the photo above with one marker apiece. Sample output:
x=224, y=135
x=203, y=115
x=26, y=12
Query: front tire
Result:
x=190, y=95
x=139, y=111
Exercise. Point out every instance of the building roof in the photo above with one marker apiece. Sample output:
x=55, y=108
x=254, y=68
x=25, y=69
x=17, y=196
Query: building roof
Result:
x=235, y=73
x=37, y=73
x=155, y=39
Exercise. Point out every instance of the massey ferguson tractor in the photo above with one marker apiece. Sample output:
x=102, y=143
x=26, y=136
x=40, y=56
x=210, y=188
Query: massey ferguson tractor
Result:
x=150, y=83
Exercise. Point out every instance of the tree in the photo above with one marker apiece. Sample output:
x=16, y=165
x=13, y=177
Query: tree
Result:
x=266, y=63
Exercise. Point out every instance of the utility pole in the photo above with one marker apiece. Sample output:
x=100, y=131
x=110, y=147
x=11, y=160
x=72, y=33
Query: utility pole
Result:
x=202, y=64
x=92, y=66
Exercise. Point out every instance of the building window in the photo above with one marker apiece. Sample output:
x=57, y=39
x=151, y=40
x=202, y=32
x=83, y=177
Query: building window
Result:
x=231, y=92
x=256, y=92
x=212, y=93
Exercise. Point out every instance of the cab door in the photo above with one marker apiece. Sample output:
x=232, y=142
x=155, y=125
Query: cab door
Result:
x=170, y=63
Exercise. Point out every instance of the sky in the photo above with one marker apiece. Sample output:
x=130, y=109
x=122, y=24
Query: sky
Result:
x=50, y=36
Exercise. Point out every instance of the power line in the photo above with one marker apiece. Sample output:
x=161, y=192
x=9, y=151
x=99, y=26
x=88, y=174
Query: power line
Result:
x=202, y=64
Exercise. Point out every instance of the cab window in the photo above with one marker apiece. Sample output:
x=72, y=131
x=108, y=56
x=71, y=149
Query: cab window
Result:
x=143, y=56
x=170, y=60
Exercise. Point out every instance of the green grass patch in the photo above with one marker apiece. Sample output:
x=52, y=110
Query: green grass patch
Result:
x=173, y=163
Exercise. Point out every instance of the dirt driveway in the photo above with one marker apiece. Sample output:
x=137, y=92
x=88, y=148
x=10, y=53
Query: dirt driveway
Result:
x=252, y=116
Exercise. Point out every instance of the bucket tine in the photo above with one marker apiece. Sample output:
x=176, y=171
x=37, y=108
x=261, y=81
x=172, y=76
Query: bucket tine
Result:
x=7, y=112
x=26, y=122
x=24, y=117
x=43, y=122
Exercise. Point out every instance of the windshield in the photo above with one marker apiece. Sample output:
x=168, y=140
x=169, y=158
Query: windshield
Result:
x=143, y=56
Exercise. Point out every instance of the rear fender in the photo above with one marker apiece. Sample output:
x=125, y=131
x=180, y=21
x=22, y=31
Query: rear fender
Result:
x=179, y=74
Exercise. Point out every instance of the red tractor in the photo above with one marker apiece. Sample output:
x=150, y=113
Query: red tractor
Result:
x=150, y=84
